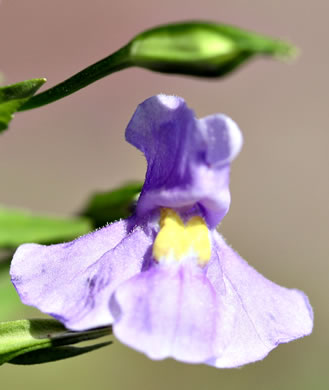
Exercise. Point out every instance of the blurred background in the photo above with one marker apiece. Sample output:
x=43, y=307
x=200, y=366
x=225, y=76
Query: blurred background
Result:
x=54, y=157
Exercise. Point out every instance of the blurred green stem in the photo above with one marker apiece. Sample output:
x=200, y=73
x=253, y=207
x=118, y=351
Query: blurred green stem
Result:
x=113, y=63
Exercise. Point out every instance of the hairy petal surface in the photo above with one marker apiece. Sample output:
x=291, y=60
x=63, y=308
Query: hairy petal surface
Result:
x=188, y=159
x=73, y=282
x=170, y=311
x=266, y=313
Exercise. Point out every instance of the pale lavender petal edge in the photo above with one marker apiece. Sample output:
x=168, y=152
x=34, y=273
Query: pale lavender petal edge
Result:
x=266, y=313
x=73, y=282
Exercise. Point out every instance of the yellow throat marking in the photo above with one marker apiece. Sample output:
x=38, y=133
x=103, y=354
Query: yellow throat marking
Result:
x=176, y=240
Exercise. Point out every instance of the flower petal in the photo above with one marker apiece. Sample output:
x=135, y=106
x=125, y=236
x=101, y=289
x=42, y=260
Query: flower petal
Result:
x=74, y=281
x=224, y=139
x=266, y=313
x=188, y=159
x=169, y=311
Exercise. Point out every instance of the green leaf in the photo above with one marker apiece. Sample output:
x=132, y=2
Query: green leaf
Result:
x=20, y=226
x=18, y=337
x=202, y=48
x=105, y=207
x=22, y=337
x=53, y=354
x=12, y=97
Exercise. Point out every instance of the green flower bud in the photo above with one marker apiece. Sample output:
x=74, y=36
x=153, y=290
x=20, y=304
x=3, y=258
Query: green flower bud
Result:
x=192, y=48
x=201, y=48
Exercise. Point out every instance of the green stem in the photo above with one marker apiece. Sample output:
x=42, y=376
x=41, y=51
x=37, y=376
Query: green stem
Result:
x=113, y=63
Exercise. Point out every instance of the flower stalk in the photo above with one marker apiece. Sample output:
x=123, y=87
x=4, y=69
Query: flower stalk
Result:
x=201, y=49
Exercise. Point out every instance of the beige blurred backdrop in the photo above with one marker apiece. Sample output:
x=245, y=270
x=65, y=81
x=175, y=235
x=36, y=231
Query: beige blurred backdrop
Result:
x=52, y=158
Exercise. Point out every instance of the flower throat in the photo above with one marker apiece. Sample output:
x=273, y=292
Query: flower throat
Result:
x=176, y=240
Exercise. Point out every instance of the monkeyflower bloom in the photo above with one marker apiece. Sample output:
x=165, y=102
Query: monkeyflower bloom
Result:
x=165, y=278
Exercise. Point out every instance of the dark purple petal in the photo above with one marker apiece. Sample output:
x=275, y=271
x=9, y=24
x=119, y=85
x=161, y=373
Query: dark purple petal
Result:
x=266, y=314
x=188, y=159
x=171, y=311
x=74, y=281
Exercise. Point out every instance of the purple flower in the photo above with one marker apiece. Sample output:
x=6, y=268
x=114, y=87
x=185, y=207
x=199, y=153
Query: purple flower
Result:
x=165, y=278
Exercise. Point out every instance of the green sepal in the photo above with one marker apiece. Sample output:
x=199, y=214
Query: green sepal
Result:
x=106, y=207
x=20, y=226
x=21, y=337
x=202, y=48
x=12, y=97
